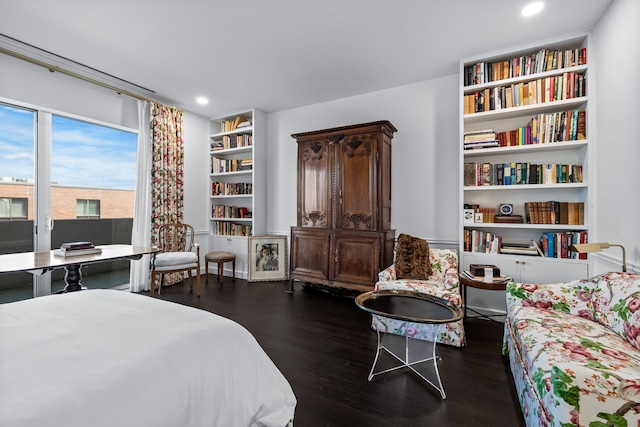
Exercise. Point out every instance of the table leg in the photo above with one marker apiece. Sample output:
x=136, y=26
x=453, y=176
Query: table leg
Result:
x=404, y=361
x=72, y=278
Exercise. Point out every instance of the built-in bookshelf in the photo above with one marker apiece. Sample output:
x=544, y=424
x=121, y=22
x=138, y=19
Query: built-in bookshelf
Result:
x=237, y=187
x=525, y=141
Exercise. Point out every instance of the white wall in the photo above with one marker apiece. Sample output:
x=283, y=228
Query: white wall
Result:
x=617, y=184
x=424, y=155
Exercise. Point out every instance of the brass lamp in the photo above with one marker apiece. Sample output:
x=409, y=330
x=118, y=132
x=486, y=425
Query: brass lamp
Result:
x=598, y=247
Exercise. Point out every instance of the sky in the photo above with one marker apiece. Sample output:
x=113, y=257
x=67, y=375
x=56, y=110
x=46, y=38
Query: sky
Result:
x=83, y=154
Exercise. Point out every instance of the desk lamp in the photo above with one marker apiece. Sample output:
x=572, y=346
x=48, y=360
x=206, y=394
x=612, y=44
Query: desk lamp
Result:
x=598, y=247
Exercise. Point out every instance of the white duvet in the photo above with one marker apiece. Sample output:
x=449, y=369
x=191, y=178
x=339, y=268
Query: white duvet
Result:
x=112, y=358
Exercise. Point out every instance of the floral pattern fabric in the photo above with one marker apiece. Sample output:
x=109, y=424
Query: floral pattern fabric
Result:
x=167, y=172
x=443, y=283
x=569, y=369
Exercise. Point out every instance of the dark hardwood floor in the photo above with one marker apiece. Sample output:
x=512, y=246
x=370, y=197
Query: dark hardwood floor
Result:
x=324, y=346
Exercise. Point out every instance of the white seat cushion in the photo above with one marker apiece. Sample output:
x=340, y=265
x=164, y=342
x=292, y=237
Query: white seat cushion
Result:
x=175, y=260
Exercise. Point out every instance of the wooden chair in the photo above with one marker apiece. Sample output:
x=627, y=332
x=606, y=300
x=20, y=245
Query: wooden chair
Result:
x=176, y=243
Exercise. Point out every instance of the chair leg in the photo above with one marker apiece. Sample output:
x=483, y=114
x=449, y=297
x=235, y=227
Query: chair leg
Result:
x=198, y=281
x=190, y=281
x=153, y=282
x=206, y=268
x=160, y=284
x=220, y=271
x=233, y=263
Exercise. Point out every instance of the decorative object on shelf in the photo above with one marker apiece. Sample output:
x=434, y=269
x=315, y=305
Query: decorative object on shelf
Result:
x=506, y=209
x=267, y=258
x=598, y=247
x=508, y=219
x=469, y=218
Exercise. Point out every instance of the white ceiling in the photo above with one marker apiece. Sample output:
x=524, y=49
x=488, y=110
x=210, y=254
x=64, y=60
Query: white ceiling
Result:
x=280, y=54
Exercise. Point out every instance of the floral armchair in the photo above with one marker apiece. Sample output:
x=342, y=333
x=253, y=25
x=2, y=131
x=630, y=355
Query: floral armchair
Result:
x=443, y=282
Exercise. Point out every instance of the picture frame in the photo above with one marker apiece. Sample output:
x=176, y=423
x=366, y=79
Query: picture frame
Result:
x=268, y=258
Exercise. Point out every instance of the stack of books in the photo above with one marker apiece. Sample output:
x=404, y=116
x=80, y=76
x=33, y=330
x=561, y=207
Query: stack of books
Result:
x=77, y=248
x=480, y=139
x=531, y=249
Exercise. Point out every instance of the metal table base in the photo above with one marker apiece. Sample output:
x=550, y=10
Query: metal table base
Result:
x=405, y=363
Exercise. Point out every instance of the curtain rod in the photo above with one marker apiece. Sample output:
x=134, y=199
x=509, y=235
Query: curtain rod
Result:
x=55, y=68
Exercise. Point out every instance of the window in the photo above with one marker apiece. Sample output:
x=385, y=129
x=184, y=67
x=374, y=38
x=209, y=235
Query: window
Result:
x=13, y=208
x=87, y=208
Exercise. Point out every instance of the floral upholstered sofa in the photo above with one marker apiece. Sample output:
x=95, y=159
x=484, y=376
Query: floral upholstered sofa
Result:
x=574, y=350
x=443, y=282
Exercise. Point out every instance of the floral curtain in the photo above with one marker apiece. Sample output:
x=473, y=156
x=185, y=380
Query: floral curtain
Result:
x=167, y=172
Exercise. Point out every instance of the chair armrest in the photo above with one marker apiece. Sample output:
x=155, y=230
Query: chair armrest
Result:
x=451, y=279
x=388, y=274
x=572, y=297
x=197, y=246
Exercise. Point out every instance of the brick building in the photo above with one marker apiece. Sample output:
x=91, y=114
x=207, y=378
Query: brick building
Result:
x=17, y=201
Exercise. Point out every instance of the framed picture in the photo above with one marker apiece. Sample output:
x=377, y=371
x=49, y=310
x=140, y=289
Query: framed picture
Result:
x=268, y=258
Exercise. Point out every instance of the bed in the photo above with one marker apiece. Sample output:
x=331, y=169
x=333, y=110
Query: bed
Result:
x=114, y=358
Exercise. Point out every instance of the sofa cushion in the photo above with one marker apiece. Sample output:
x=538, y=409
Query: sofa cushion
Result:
x=617, y=304
x=568, y=356
x=412, y=258
x=573, y=297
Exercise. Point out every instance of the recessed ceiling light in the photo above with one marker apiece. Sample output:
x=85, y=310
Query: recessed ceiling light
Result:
x=202, y=100
x=532, y=9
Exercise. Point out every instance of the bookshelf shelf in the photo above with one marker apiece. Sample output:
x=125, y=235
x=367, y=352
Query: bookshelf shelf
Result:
x=493, y=225
x=527, y=187
x=523, y=149
x=549, y=105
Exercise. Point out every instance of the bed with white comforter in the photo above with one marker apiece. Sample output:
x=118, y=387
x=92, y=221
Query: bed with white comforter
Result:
x=112, y=358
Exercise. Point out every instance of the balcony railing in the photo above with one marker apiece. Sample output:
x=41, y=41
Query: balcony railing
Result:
x=17, y=236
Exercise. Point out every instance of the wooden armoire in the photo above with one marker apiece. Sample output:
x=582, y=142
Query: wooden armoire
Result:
x=343, y=236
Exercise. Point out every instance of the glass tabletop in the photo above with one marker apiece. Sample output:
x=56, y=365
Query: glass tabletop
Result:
x=409, y=306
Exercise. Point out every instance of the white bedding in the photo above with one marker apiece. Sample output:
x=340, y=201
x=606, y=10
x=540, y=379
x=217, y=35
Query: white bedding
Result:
x=112, y=358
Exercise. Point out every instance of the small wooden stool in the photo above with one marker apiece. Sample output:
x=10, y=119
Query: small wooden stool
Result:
x=220, y=257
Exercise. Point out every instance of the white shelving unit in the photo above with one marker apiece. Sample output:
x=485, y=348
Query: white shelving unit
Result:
x=237, y=191
x=574, y=152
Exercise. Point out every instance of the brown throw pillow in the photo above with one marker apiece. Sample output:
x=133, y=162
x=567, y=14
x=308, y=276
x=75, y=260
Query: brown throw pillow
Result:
x=412, y=258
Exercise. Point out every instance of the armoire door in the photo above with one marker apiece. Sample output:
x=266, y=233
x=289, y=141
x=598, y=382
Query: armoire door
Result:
x=357, y=192
x=315, y=166
x=356, y=259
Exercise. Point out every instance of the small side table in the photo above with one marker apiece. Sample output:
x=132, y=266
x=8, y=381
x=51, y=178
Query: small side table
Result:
x=496, y=285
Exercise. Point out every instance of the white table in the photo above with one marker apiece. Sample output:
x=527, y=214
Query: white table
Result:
x=42, y=262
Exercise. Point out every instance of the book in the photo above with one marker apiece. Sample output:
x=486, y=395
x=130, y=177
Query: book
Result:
x=77, y=252
x=76, y=245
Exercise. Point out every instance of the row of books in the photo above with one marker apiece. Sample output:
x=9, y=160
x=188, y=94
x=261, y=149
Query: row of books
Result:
x=222, y=228
x=232, y=141
x=524, y=65
x=566, y=86
x=561, y=126
x=231, y=188
x=233, y=124
x=230, y=165
x=554, y=212
x=520, y=173
x=556, y=245
x=222, y=211
x=550, y=244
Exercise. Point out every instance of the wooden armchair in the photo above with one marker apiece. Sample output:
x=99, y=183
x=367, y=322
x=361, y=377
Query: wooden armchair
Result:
x=178, y=253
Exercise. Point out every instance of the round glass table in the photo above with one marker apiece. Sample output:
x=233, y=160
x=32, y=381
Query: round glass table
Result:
x=411, y=307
